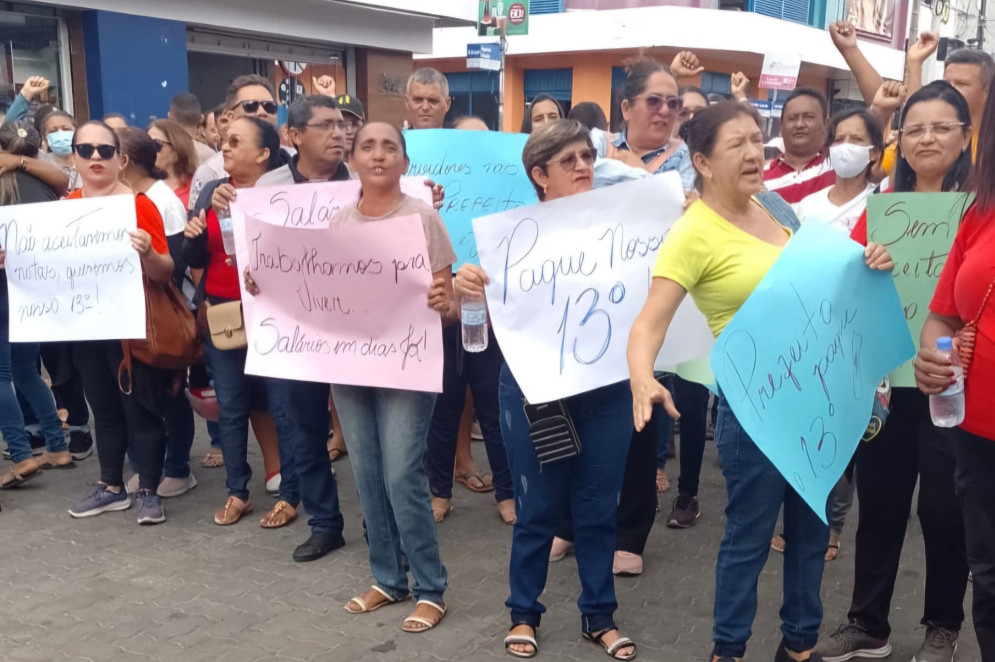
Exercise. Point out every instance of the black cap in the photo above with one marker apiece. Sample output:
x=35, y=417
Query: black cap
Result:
x=350, y=104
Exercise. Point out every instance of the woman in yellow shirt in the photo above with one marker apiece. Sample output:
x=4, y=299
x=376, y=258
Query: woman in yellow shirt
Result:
x=719, y=251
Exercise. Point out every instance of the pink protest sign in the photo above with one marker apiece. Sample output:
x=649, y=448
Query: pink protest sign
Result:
x=343, y=306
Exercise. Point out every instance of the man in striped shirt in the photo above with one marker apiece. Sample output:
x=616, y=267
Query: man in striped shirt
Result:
x=804, y=167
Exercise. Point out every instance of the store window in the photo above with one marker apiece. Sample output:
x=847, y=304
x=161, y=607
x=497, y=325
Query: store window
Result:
x=474, y=93
x=31, y=37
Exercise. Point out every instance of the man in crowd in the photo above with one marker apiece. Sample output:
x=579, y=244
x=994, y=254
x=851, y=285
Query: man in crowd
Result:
x=352, y=111
x=804, y=167
x=427, y=99
x=185, y=109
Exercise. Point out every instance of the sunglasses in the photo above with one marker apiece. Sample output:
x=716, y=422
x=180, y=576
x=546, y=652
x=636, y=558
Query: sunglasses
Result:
x=656, y=102
x=569, y=162
x=251, y=107
x=86, y=151
x=160, y=143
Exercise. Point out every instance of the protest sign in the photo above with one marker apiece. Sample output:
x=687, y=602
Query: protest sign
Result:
x=918, y=230
x=343, y=306
x=481, y=171
x=800, y=361
x=568, y=278
x=309, y=205
x=72, y=273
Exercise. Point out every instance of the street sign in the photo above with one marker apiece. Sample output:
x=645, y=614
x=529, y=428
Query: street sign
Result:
x=483, y=56
x=508, y=16
x=780, y=71
x=762, y=105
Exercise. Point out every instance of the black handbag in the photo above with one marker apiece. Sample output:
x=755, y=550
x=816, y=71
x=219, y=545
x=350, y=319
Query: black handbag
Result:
x=552, y=430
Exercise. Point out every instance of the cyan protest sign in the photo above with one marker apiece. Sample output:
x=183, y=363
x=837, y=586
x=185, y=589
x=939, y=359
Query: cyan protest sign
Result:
x=800, y=361
x=481, y=171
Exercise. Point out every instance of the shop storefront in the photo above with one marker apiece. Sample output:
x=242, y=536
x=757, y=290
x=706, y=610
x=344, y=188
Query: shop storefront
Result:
x=35, y=42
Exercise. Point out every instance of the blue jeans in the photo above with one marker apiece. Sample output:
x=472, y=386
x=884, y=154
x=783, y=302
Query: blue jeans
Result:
x=239, y=394
x=306, y=414
x=386, y=432
x=588, y=484
x=756, y=492
x=480, y=371
x=19, y=366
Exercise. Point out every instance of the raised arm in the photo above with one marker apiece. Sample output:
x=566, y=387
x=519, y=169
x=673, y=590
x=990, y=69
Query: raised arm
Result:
x=844, y=37
x=918, y=53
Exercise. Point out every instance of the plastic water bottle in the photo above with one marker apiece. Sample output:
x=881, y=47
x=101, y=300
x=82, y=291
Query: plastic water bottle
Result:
x=227, y=232
x=473, y=315
x=947, y=408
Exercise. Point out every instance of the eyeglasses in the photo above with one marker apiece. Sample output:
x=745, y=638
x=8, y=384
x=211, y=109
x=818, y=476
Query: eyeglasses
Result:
x=353, y=123
x=939, y=130
x=569, y=162
x=327, y=125
x=86, y=151
x=160, y=143
x=251, y=107
x=656, y=102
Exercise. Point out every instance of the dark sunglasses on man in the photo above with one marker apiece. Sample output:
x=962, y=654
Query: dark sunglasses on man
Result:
x=86, y=151
x=250, y=107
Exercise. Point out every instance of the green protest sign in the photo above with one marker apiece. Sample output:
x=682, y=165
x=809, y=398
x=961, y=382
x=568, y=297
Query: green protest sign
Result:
x=510, y=15
x=918, y=230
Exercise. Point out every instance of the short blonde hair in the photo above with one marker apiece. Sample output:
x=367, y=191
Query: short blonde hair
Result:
x=548, y=139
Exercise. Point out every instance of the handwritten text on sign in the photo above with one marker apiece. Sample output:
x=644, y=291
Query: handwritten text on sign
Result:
x=343, y=306
x=918, y=230
x=481, y=171
x=800, y=361
x=569, y=277
x=71, y=270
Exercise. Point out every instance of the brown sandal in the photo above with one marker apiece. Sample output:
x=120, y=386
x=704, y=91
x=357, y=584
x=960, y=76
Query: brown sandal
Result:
x=475, y=482
x=370, y=601
x=233, y=511
x=425, y=617
x=61, y=460
x=282, y=514
x=18, y=474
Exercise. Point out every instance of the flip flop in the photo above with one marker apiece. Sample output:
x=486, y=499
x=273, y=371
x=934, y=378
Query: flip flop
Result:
x=777, y=543
x=336, y=454
x=834, y=548
x=213, y=459
x=13, y=479
x=466, y=478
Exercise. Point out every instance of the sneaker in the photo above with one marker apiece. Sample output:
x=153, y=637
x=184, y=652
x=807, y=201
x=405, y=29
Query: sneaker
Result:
x=850, y=641
x=782, y=655
x=685, y=513
x=80, y=444
x=939, y=645
x=174, y=487
x=132, y=485
x=149, y=507
x=100, y=500
x=37, y=446
x=560, y=550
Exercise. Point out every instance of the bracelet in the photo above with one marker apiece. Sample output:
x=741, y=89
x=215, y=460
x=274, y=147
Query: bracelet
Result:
x=24, y=165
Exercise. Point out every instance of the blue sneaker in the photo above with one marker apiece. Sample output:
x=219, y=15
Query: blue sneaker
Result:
x=149, y=507
x=100, y=500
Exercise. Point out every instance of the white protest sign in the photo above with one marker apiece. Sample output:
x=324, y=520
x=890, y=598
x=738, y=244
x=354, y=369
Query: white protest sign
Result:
x=780, y=71
x=569, y=277
x=71, y=271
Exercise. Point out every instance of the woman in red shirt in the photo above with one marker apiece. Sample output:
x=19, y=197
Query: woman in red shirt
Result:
x=176, y=155
x=963, y=296
x=120, y=417
x=252, y=149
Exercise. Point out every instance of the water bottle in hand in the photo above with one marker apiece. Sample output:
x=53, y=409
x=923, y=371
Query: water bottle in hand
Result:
x=227, y=232
x=473, y=315
x=947, y=408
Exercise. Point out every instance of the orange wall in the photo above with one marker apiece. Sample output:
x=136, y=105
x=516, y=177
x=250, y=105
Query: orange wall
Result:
x=592, y=81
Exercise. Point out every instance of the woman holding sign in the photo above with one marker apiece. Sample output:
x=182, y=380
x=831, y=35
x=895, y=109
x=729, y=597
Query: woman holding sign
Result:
x=963, y=306
x=933, y=156
x=120, y=418
x=718, y=252
x=385, y=429
x=559, y=159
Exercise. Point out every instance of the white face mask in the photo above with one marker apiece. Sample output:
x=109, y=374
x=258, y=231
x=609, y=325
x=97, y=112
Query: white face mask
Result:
x=849, y=160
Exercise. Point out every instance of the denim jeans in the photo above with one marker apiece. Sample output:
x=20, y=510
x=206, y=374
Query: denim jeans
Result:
x=588, y=483
x=480, y=371
x=239, y=394
x=19, y=367
x=386, y=432
x=306, y=407
x=756, y=492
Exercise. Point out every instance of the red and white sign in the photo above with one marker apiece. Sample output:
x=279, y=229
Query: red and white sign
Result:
x=517, y=13
x=780, y=71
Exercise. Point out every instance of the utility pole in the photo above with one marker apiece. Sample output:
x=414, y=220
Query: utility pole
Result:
x=982, y=15
x=504, y=48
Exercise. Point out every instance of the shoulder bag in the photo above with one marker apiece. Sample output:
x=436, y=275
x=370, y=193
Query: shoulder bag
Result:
x=965, y=337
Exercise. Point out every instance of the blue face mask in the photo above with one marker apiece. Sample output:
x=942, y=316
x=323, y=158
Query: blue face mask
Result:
x=60, y=142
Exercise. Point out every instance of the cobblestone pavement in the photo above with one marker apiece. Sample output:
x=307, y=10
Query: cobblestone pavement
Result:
x=106, y=590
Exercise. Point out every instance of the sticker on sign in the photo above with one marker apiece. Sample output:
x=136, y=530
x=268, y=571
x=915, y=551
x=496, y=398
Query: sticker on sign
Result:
x=780, y=71
x=517, y=13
